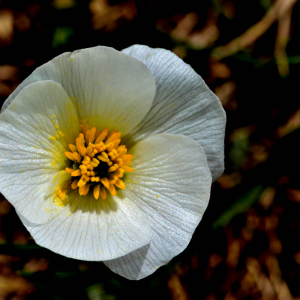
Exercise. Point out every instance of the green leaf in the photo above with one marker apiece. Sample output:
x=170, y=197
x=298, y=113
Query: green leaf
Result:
x=61, y=36
x=240, y=206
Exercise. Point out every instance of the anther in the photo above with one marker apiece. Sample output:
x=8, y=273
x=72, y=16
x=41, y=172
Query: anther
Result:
x=97, y=191
x=127, y=169
x=95, y=179
x=92, y=135
x=103, y=192
x=104, y=154
x=77, y=157
x=94, y=162
x=87, y=134
x=74, y=184
x=86, y=160
x=83, y=169
x=73, y=148
x=100, y=157
x=101, y=137
x=105, y=182
x=83, y=180
x=112, y=190
x=120, y=184
x=76, y=173
x=69, y=155
x=68, y=170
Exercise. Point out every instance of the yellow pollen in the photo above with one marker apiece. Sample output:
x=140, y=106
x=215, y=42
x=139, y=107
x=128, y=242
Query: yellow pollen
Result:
x=61, y=194
x=98, y=163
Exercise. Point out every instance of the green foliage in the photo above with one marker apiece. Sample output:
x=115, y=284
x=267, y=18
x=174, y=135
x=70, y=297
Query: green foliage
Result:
x=239, y=206
x=61, y=36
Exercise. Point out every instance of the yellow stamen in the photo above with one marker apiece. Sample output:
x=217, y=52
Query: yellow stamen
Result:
x=73, y=148
x=106, y=130
x=83, y=180
x=116, y=142
x=77, y=157
x=83, y=169
x=102, y=158
x=112, y=190
x=69, y=155
x=95, y=179
x=103, y=192
x=110, y=134
x=86, y=160
x=119, y=172
x=105, y=182
x=102, y=162
x=92, y=135
x=94, y=162
x=76, y=173
x=68, y=170
x=98, y=132
x=97, y=191
x=101, y=137
x=74, y=184
x=127, y=157
x=86, y=190
x=104, y=154
x=113, y=137
x=120, y=184
x=81, y=137
x=113, y=168
x=83, y=190
x=127, y=169
x=89, y=149
x=78, y=144
x=82, y=151
x=90, y=173
x=87, y=135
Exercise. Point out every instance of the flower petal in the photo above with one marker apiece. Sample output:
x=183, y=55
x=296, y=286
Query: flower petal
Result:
x=109, y=88
x=172, y=183
x=91, y=229
x=34, y=133
x=183, y=104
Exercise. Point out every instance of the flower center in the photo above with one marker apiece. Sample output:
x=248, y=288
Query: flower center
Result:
x=98, y=162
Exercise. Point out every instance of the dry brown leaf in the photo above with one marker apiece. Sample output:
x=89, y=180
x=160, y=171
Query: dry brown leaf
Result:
x=262, y=281
x=280, y=286
x=6, y=27
x=184, y=27
x=292, y=124
x=176, y=288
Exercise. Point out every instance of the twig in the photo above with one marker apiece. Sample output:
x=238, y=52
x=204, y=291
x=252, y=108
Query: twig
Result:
x=278, y=10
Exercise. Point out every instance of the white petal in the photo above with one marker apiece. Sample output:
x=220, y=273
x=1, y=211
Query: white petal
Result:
x=109, y=88
x=183, y=104
x=91, y=229
x=34, y=133
x=172, y=183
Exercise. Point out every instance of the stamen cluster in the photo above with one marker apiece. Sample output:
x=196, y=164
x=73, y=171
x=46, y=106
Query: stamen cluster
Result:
x=98, y=162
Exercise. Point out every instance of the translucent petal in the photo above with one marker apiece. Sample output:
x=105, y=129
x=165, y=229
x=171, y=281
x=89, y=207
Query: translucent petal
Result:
x=172, y=184
x=91, y=229
x=183, y=104
x=34, y=133
x=108, y=88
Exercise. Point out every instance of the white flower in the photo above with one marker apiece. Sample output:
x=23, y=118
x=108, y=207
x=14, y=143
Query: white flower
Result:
x=164, y=112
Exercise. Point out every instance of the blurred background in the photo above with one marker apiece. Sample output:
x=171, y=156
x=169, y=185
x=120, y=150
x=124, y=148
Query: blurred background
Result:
x=248, y=243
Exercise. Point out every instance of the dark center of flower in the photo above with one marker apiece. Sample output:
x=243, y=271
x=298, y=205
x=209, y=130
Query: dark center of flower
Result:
x=102, y=169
